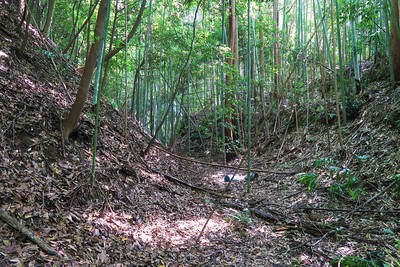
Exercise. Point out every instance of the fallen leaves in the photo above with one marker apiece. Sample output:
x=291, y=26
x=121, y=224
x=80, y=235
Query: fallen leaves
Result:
x=133, y=215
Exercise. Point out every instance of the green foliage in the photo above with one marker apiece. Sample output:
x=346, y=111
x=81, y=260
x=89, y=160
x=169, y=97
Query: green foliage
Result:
x=47, y=53
x=373, y=259
x=395, y=260
x=334, y=173
x=353, y=107
x=164, y=38
x=243, y=217
x=322, y=162
x=393, y=118
x=90, y=116
x=366, y=15
x=233, y=146
x=355, y=261
x=353, y=10
x=363, y=157
x=310, y=180
x=397, y=178
x=346, y=183
x=310, y=138
x=113, y=102
x=388, y=231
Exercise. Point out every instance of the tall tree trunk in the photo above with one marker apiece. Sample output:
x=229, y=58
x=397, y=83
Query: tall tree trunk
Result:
x=49, y=16
x=104, y=80
x=231, y=123
x=71, y=122
x=395, y=43
x=277, y=54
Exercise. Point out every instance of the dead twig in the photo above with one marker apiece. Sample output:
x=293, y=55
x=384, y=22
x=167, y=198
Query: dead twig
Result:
x=392, y=184
x=14, y=223
x=348, y=210
x=331, y=232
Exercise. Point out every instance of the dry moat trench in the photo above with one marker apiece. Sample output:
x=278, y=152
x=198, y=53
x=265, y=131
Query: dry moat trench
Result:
x=168, y=210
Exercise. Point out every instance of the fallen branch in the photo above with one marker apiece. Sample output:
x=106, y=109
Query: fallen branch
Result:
x=263, y=215
x=348, y=210
x=14, y=223
x=392, y=184
x=179, y=181
x=226, y=166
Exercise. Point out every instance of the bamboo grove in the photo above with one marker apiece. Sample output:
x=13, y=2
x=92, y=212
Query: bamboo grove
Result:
x=231, y=72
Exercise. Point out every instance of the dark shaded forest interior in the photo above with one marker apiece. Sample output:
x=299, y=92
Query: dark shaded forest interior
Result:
x=309, y=203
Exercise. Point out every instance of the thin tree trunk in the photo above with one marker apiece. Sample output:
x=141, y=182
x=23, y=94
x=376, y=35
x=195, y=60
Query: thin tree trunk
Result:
x=130, y=35
x=71, y=122
x=277, y=54
x=24, y=43
x=50, y=10
x=74, y=23
x=126, y=70
x=395, y=40
x=335, y=83
x=73, y=38
x=180, y=78
x=107, y=65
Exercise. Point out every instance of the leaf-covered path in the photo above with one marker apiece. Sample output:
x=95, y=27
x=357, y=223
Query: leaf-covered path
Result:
x=165, y=210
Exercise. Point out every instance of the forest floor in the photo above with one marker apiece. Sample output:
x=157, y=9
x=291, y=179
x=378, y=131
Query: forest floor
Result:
x=168, y=210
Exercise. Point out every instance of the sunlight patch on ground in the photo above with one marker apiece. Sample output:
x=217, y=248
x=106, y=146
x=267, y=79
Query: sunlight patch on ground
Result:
x=29, y=83
x=264, y=229
x=217, y=177
x=346, y=251
x=181, y=232
x=305, y=259
x=159, y=231
x=2, y=57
